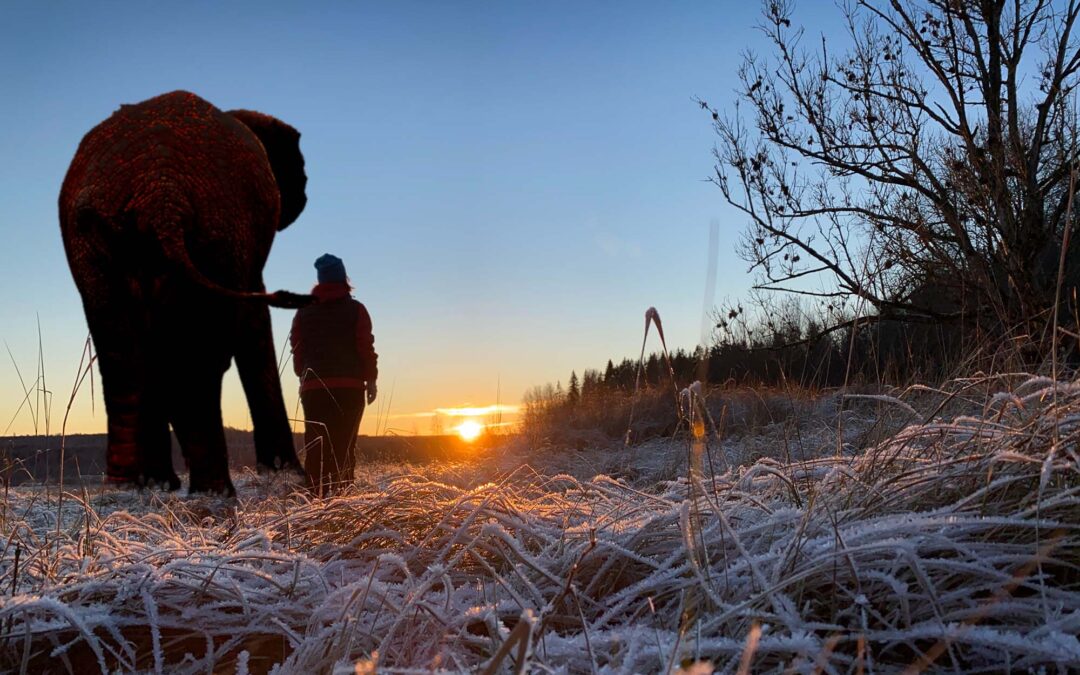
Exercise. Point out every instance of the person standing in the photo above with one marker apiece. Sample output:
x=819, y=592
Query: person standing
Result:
x=334, y=355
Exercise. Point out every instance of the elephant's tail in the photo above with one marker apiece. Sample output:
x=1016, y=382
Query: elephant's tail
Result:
x=170, y=236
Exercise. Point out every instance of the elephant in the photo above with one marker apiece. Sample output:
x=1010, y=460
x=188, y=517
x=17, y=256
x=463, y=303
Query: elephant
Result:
x=167, y=213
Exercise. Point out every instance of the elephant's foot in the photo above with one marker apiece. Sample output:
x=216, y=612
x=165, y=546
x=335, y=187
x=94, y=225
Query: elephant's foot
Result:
x=222, y=488
x=169, y=483
x=275, y=452
x=288, y=468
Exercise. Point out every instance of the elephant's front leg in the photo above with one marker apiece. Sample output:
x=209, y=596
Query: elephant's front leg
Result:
x=256, y=362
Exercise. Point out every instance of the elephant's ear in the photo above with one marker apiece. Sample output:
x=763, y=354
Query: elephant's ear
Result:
x=282, y=144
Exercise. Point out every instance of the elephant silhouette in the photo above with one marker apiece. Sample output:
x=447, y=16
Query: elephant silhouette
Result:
x=168, y=212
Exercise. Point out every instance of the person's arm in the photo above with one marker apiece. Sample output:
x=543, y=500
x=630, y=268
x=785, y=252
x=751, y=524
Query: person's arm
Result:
x=294, y=342
x=365, y=347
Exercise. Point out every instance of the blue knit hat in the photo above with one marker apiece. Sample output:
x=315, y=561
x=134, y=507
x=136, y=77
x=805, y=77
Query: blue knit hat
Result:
x=331, y=269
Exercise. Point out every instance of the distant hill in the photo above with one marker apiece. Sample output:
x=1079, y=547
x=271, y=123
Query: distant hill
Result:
x=30, y=459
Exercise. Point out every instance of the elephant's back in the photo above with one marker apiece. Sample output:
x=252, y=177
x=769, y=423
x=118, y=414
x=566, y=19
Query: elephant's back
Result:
x=177, y=150
x=177, y=136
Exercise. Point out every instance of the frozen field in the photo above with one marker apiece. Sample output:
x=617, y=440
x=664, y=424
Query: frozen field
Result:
x=936, y=530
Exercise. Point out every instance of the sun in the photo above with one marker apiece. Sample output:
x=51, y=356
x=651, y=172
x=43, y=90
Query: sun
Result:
x=469, y=430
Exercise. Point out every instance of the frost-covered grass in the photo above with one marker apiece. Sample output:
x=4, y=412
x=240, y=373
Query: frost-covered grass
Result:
x=945, y=538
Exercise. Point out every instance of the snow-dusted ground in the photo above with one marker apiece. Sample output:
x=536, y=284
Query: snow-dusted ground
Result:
x=939, y=530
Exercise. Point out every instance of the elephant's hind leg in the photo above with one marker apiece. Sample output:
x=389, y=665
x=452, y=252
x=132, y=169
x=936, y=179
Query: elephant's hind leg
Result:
x=118, y=339
x=122, y=459
x=154, y=440
x=139, y=445
x=196, y=418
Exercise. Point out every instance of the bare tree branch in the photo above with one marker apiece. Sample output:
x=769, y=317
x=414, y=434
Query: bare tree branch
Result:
x=918, y=157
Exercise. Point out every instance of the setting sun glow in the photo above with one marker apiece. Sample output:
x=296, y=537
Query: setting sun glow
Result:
x=469, y=430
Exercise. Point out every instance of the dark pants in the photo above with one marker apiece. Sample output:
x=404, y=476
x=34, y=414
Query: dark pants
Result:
x=331, y=420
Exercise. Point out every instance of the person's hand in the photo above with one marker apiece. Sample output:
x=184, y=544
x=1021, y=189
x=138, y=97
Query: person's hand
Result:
x=372, y=392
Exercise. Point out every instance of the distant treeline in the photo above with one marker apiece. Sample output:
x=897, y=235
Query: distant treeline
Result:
x=802, y=355
x=774, y=350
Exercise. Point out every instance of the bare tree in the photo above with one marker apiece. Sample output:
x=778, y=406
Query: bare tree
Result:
x=924, y=172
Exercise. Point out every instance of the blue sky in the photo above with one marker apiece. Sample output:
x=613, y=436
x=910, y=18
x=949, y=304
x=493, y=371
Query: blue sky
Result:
x=511, y=185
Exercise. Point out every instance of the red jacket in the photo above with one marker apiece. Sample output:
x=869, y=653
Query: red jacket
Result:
x=332, y=342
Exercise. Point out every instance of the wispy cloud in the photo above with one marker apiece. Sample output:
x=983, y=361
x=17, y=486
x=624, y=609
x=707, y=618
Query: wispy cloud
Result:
x=464, y=411
x=478, y=411
x=615, y=246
